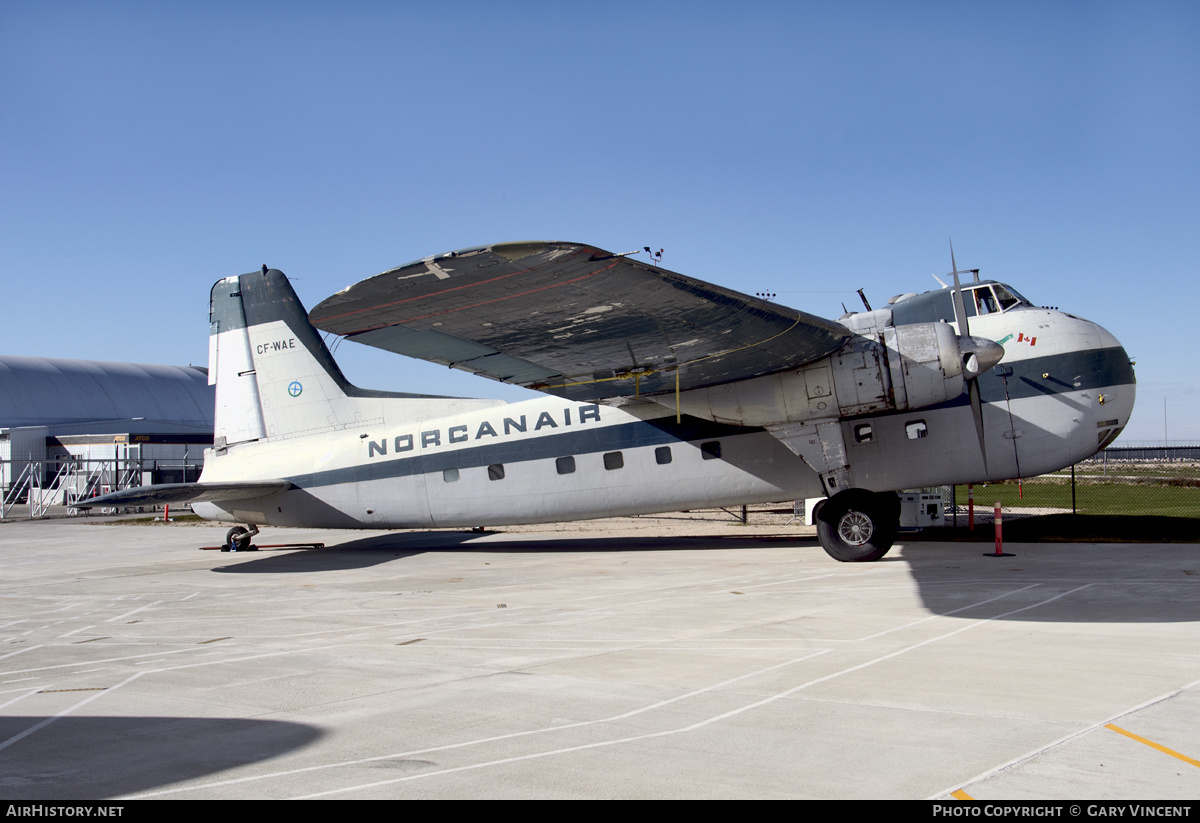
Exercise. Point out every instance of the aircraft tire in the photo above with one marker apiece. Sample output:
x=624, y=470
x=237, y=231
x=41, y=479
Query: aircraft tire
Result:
x=237, y=539
x=858, y=526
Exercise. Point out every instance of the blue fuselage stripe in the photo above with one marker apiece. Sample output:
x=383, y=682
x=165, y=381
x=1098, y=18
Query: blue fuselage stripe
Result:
x=656, y=432
x=1068, y=372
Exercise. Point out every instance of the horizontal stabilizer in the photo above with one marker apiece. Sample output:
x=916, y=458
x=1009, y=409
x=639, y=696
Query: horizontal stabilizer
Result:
x=168, y=493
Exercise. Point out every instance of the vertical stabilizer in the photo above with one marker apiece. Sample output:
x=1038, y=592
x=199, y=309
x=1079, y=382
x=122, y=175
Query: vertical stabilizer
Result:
x=238, y=416
x=275, y=378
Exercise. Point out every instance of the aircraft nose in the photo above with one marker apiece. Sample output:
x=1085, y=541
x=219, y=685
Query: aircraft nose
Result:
x=1106, y=338
x=979, y=354
x=1119, y=367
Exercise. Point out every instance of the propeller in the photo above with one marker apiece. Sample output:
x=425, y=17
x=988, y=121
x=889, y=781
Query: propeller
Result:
x=978, y=353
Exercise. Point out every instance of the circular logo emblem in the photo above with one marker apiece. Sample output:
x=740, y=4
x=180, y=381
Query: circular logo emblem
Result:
x=294, y=388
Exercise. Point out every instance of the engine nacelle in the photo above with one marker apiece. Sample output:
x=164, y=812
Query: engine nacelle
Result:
x=925, y=361
x=910, y=367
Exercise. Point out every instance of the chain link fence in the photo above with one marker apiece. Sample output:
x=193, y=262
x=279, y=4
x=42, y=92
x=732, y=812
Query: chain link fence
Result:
x=1162, y=480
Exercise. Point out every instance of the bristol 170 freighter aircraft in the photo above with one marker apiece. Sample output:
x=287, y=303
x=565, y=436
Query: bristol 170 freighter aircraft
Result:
x=662, y=393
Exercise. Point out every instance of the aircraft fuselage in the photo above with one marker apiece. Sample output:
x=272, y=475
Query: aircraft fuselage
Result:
x=1063, y=390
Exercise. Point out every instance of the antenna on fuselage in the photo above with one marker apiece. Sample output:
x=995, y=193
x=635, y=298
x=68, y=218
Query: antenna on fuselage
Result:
x=863, y=297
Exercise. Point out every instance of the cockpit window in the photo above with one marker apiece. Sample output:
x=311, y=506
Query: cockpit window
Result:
x=1008, y=298
x=978, y=298
x=985, y=303
x=992, y=298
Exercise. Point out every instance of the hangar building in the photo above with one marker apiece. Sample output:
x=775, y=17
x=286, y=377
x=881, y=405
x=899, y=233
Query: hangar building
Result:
x=75, y=427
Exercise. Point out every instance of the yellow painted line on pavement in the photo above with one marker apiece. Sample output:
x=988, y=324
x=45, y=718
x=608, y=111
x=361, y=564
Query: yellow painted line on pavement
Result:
x=1153, y=745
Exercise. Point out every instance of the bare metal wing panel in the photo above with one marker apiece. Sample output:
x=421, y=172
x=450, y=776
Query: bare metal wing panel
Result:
x=574, y=321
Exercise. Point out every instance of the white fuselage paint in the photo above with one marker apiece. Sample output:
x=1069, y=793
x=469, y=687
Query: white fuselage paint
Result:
x=402, y=475
x=753, y=467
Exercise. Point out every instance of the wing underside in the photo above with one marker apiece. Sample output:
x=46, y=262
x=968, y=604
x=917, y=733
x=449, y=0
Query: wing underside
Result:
x=574, y=321
x=171, y=493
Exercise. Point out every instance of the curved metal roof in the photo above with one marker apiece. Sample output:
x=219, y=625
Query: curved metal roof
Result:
x=42, y=391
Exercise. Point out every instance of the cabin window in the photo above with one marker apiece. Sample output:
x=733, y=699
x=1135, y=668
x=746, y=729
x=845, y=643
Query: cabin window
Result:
x=565, y=465
x=450, y=475
x=863, y=433
x=916, y=429
x=614, y=461
x=711, y=450
x=496, y=471
x=662, y=455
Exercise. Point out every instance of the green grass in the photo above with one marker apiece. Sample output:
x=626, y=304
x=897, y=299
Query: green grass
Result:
x=1090, y=498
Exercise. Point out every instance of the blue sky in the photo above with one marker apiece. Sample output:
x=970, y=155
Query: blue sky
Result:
x=149, y=149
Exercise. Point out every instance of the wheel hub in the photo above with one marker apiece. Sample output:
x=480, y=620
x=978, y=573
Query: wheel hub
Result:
x=855, y=528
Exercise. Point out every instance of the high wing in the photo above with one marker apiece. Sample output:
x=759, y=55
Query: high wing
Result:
x=574, y=321
x=170, y=493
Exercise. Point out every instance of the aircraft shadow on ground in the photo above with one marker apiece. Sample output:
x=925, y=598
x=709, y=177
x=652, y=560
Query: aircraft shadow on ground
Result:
x=385, y=548
x=1120, y=583
x=1108, y=583
x=89, y=758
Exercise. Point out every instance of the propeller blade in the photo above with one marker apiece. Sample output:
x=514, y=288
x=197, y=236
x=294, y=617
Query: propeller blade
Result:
x=960, y=310
x=977, y=413
x=979, y=354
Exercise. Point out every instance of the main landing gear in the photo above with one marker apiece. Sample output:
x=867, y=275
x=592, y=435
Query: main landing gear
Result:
x=238, y=539
x=858, y=526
